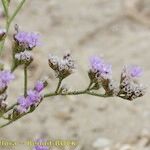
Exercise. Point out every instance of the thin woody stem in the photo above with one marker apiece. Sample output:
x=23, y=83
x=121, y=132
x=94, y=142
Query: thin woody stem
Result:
x=59, y=84
x=55, y=94
x=9, y=20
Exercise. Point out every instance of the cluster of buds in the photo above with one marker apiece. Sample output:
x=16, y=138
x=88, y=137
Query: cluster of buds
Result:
x=5, y=78
x=24, y=43
x=63, y=67
x=30, y=101
x=2, y=34
x=130, y=88
x=33, y=97
x=3, y=103
x=24, y=57
x=100, y=73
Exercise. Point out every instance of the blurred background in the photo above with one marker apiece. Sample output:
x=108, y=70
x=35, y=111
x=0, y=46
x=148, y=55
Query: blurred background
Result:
x=119, y=31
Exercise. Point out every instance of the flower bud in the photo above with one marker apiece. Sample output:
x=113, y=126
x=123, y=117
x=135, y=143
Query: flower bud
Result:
x=2, y=34
x=23, y=58
x=62, y=67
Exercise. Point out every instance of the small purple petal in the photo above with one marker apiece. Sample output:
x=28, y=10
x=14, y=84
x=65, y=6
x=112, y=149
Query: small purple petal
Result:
x=5, y=78
x=34, y=96
x=136, y=71
x=29, y=38
x=132, y=71
x=24, y=103
x=39, y=86
x=99, y=66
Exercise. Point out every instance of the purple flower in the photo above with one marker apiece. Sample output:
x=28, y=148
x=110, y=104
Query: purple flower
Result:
x=39, y=86
x=24, y=103
x=132, y=71
x=5, y=78
x=29, y=39
x=40, y=145
x=33, y=96
x=99, y=66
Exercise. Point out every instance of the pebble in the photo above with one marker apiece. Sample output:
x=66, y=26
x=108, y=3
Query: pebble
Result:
x=101, y=143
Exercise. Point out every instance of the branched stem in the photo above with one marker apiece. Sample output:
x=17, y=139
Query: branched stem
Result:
x=56, y=93
x=16, y=11
x=59, y=84
x=9, y=20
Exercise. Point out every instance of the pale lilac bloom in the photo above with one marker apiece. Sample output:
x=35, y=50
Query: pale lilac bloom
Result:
x=132, y=71
x=96, y=63
x=5, y=78
x=99, y=66
x=136, y=71
x=39, y=86
x=28, y=38
x=24, y=104
x=34, y=96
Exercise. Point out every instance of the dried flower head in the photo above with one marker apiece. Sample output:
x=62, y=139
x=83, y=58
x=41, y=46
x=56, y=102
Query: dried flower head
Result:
x=129, y=87
x=62, y=67
x=3, y=103
x=24, y=57
x=27, y=40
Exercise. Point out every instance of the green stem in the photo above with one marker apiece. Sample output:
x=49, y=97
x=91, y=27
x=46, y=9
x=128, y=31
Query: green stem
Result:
x=89, y=87
x=56, y=94
x=9, y=20
x=59, y=84
x=25, y=81
x=5, y=7
x=16, y=11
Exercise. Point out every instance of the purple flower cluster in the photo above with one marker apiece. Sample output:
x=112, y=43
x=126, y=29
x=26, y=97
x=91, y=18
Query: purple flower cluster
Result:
x=41, y=145
x=130, y=88
x=5, y=78
x=33, y=97
x=132, y=71
x=27, y=39
x=100, y=68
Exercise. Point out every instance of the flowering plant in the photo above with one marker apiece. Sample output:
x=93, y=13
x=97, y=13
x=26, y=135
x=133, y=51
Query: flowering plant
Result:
x=100, y=74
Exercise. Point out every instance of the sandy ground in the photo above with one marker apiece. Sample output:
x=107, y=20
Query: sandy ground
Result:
x=114, y=29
